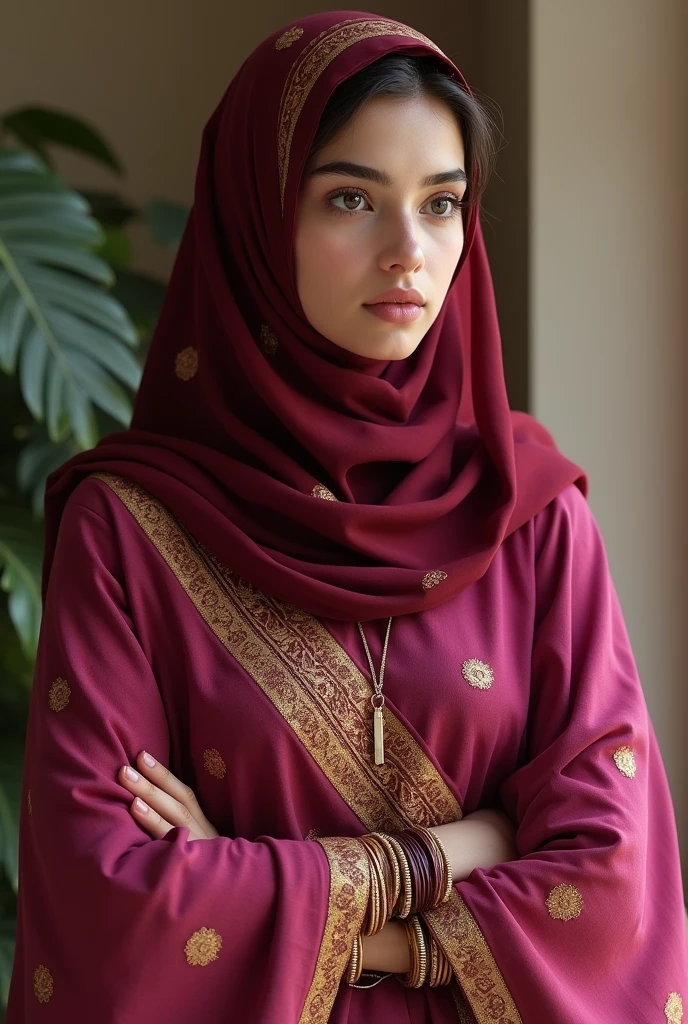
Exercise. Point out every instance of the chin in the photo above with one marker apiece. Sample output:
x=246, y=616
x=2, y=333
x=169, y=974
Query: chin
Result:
x=389, y=349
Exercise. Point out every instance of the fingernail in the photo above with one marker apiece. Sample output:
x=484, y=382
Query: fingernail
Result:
x=150, y=761
x=131, y=774
x=140, y=806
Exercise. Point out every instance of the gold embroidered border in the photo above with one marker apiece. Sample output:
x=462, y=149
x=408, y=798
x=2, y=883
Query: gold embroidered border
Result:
x=309, y=66
x=457, y=931
x=325, y=699
x=312, y=682
x=346, y=908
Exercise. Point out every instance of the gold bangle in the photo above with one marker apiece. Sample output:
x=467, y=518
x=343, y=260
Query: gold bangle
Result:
x=355, y=961
x=419, y=954
x=396, y=870
x=376, y=858
x=372, y=919
x=423, y=949
x=386, y=861
x=447, y=864
x=406, y=897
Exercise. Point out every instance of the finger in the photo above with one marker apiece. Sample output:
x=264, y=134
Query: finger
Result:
x=167, y=807
x=163, y=778
x=149, y=819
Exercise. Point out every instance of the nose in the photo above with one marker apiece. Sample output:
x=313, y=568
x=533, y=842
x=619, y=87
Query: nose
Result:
x=402, y=249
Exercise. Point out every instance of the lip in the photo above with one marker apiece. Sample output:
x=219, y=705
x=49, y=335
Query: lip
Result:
x=395, y=312
x=409, y=295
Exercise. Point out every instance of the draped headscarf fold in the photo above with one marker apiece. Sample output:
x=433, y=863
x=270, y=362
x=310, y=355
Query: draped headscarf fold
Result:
x=352, y=487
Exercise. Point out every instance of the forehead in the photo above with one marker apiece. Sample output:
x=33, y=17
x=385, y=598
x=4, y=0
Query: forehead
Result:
x=397, y=130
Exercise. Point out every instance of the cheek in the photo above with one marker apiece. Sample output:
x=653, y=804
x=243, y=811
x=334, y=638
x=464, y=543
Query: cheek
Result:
x=326, y=258
x=442, y=255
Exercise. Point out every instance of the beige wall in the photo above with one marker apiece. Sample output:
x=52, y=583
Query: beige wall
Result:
x=600, y=125
x=608, y=274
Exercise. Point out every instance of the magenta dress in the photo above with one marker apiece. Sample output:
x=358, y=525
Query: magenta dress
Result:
x=521, y=692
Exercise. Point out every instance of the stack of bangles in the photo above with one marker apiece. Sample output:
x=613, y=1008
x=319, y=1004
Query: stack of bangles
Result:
x=410, y=874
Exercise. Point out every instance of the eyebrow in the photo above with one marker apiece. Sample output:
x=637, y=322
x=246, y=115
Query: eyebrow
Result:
x=380, y=178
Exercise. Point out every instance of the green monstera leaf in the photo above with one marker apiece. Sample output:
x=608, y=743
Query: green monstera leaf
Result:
x=69, y=340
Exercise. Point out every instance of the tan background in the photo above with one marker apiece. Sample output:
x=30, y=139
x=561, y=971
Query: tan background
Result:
x=586, y=229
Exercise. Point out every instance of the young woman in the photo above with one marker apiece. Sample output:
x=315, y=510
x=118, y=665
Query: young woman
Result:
x=348, y=619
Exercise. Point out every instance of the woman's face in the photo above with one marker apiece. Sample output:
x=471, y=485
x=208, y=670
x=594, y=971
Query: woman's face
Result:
x=379, y=211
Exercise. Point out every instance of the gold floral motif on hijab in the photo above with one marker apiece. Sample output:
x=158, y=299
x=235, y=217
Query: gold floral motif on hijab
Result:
x=431, y=579
x=564, y=903
x=43, y=984
x=186, y=363
x=202, y=947
x=214, y=763
x=288, y=37
x=309, y=66
x=624, y=758
x=320, y=491
x=268, y=343
x=673, y=1008
x=477, y=673
x=58, y=697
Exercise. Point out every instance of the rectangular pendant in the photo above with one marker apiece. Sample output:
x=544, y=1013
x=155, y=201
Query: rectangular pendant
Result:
x=379, y=736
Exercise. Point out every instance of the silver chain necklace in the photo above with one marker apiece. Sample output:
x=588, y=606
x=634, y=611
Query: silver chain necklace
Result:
x=378, y=698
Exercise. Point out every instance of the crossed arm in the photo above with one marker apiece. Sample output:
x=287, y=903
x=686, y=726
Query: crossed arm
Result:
x=162, y=802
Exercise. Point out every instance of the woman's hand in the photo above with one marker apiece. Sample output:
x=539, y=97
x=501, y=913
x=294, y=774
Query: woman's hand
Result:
x=162, y=801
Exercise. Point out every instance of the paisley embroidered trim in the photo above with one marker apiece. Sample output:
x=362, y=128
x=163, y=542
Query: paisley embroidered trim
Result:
x=346, y=908
x=464, y=944
x=309, y=678
x=289, y=37
x=309, y=66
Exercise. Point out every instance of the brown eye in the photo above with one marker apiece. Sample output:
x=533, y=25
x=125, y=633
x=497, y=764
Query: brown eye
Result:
x=441, y=206
x=352, y=201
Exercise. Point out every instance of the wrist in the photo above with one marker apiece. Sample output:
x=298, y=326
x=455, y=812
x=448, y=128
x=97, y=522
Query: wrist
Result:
x=387, y=950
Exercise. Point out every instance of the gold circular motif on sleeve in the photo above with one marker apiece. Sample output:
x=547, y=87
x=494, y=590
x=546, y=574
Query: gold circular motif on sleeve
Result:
x=624, y=759
x=43, y=984
x=59, y=694
x=202, y=947
x=186, y=363
x=477, y=673
x=431, y=579
x=320, y=491
x=288, y=37
x=673, y=1008
x=213, y=762
x=564, y=903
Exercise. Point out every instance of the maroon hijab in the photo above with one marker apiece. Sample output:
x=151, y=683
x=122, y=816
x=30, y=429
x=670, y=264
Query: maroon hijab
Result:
x=247, y=418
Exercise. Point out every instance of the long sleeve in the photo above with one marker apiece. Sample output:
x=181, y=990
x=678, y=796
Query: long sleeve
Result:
x=117, y=927
x=588, y=924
